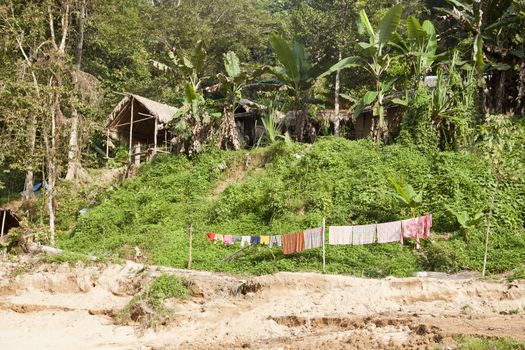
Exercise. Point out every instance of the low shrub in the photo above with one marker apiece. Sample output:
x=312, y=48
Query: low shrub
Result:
x=148, y=307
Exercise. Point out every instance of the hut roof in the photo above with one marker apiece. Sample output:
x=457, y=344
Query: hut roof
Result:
x=11, y=220
x=163, y=112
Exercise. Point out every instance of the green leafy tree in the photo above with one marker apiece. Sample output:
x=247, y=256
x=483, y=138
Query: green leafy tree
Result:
x=466, y=221
x=419, y=48
x=327, y=29
x=298, y=74
x=376, y=58
x=241, y=26
x=494, y=142
x=407, y=196
x=193, y=122
x=493, y=30
x=452, y=102
x=233, y=81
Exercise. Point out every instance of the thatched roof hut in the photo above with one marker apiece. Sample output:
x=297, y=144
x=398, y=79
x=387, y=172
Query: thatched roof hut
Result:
x=137, y=120
x=8, y=220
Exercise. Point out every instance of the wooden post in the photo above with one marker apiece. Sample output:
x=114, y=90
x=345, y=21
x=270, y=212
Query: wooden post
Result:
x=190, y=257
x=324, y=246
x=155, y=137
x=4, y=251
x=3, y=224
x=131, y=128
x=166, y=139
x=107, y=144
x=138, y=149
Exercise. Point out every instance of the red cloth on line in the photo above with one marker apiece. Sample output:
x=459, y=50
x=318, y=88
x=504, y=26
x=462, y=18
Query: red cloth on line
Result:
x=427, y=224
x=211, y=236
x=293, y=242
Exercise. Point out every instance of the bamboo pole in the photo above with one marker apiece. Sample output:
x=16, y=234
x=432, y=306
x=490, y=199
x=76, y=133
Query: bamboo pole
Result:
x=324, y=246
x=134, y=122
x=190, y=257
x=107, y=144
x=4, y=252
x=137, y=154
x=166, y=139
x=155, y=137
x=131, y=128
x=3, y=224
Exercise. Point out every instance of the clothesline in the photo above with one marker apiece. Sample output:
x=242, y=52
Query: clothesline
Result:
x=290, y=243
x=388, y=232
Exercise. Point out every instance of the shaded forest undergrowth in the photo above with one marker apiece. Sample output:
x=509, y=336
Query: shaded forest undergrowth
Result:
x=284, y=188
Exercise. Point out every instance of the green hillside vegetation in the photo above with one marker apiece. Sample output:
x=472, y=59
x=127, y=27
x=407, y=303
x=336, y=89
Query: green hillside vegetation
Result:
x=283, y=188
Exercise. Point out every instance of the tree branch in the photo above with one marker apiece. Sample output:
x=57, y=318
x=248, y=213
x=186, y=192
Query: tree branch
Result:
x=52, y=27
x=65, y=28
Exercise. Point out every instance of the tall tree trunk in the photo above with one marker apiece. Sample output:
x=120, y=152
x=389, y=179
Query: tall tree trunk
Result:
x=28, y=194
x=489, y=223
x=337, y=118
x=50, y=143
x=500, y=93
x=520, y=98
x=300, y=118
x=481, y=95
x=228, y=138
x=75, y=171
x=81, y=26
x=54, y=111
x=29, y=178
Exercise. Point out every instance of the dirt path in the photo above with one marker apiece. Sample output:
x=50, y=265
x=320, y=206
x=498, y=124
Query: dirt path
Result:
x=59, y=307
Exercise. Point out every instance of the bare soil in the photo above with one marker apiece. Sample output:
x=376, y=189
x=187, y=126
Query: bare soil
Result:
x=63, y=307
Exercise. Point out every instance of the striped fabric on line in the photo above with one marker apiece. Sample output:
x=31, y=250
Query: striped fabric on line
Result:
x=293, y=242
x=313, y=238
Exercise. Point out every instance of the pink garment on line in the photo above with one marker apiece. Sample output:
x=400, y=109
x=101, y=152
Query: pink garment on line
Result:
x=228, y=240
x=427, y=225
x=412, y=229
x=417, y=227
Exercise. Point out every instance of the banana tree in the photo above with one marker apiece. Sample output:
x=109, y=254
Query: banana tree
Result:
x=492, y=26
x=407, y=196
x=190, y=66
x=467, y=221
x=232, y=81
x=419, y=47
x=298, y=74
x=375, y=58
x=192, y=122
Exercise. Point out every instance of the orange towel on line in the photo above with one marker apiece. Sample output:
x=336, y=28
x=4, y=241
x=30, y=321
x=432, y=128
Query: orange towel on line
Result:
x=293, y=242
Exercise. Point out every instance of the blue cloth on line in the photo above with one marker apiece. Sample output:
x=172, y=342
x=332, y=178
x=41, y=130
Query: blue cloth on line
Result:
x=255, y=240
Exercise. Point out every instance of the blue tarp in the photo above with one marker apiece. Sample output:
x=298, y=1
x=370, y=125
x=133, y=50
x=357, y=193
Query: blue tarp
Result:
x=38, y=186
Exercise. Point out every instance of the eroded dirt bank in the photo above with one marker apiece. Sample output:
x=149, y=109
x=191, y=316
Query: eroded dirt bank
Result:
x=62, y=307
